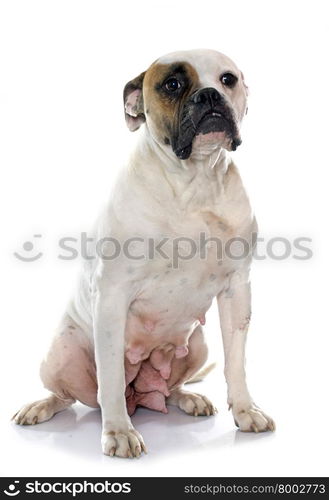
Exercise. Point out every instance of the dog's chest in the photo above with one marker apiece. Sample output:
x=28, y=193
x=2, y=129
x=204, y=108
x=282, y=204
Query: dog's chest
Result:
x=180, y=286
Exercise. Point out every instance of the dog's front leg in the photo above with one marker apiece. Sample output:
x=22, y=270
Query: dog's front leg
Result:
x=235, y=309
x=110, y=306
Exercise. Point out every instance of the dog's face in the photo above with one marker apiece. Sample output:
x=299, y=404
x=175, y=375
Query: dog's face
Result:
x=191, y=101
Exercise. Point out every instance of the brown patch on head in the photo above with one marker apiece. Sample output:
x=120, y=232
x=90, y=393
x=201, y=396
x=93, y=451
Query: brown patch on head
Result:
x=164, y=106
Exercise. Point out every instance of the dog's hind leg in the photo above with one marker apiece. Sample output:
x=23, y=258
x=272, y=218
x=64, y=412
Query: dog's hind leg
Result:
x=191, y=403
x=41, y=411
x=183, y=370
x=68, y=372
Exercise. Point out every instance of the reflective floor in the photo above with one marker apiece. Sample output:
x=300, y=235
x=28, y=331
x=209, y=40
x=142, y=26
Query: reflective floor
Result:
x=69, y=444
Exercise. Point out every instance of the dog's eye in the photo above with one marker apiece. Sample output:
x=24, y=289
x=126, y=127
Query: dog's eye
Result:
x=228, y=79
x=172, y=84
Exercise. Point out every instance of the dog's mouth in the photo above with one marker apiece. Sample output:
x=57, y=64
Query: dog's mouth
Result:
x=212, y=121
x=217, y=122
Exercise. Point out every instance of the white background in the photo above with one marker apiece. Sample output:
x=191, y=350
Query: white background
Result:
x=63, y=67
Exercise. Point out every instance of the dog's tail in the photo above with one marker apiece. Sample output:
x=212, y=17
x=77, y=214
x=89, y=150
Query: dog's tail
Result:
x=201, y=374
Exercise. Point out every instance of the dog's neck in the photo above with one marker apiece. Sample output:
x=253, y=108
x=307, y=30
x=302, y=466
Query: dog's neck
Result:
x=196, y=182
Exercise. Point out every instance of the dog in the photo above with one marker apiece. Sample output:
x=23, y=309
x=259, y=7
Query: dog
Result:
x=132, y=335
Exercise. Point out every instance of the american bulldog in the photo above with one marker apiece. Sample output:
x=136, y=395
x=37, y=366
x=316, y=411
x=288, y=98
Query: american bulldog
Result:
x=132, y=334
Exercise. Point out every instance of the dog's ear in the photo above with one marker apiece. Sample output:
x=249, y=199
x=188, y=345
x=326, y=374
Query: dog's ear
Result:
x=133, y=102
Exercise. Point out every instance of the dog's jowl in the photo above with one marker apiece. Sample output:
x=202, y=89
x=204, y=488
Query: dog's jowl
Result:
x=133, y=333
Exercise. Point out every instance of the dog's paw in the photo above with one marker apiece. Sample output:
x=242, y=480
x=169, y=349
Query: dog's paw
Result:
x=34, y=413
x=196, y=404
x=250, y=418
x=124, y=444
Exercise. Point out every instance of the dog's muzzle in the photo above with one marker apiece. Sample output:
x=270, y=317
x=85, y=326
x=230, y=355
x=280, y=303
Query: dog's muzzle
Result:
x=205, y=111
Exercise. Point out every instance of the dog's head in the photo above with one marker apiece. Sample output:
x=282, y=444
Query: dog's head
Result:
x=191, y=101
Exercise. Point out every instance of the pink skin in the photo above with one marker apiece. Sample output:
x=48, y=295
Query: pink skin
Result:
x=202, y=320
x=131, y=102
x=181, y=351
x=161, y=361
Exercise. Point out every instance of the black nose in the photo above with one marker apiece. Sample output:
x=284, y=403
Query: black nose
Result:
x=207, y=95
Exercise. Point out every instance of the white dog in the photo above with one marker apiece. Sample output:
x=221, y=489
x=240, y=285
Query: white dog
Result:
x=132, y=334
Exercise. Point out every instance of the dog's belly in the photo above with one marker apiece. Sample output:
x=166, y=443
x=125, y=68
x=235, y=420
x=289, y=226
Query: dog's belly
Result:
x=159, y=334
